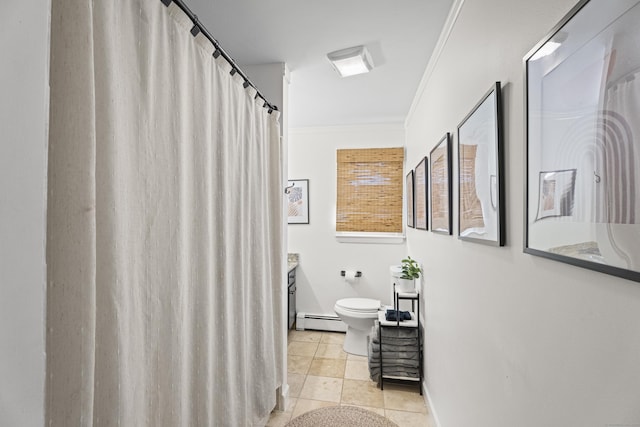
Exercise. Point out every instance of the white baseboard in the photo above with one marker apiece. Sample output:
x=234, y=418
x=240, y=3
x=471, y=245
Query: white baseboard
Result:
x=432, y=411
x=319, y=322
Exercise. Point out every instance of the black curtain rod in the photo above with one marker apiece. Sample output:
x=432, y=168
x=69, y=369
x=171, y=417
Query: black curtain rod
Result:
x=197, y=28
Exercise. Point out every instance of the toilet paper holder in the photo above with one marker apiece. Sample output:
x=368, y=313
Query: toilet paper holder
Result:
x=358, y=273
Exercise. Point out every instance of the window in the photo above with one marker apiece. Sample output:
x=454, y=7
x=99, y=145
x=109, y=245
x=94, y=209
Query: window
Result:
x=370, y=190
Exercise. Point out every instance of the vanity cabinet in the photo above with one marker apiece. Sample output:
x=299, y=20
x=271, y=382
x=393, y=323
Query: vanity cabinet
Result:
x=292, y=298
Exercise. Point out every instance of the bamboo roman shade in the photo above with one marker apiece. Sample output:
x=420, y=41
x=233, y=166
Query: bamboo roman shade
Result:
x=370, y=190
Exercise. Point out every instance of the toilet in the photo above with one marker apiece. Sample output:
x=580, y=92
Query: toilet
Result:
x=359, y=314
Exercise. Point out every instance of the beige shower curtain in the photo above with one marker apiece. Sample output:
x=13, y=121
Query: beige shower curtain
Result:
x=164, y=244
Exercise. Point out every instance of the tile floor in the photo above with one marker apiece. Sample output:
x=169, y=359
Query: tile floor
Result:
x=321, y=374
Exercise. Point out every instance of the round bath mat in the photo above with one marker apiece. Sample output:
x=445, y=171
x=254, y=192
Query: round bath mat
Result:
x=334, y=416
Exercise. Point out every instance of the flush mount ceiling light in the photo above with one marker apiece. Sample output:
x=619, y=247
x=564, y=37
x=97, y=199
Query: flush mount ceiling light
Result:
x=351, y=61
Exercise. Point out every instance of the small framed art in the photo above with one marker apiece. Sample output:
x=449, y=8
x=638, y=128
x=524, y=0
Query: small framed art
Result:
x=480, y=172
x=420, y=195
x=298, y=196
x=409, y=200
x=440, y=180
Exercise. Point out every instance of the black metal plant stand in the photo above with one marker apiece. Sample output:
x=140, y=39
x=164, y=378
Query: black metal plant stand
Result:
x=414, y=323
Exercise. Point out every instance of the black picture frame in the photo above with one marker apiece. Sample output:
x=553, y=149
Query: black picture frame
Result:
x=420, y=195
x=481, y=204
x=582, y=198
x=441, y=190
x=298, y=201
x=411, y=221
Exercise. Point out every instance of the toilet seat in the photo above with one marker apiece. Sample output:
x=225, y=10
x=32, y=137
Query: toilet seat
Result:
x=361, y=307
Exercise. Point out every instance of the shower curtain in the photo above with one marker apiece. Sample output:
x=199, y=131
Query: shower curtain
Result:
x=164, y=241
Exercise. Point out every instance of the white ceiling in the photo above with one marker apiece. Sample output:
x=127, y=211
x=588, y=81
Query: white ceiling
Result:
x=400, y=35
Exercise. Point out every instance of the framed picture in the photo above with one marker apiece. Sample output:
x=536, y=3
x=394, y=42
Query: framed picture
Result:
x=582, y=93
x=421, y=195
x=440, y=173
x=480, y=172
x=298, y=195
x=410, y=212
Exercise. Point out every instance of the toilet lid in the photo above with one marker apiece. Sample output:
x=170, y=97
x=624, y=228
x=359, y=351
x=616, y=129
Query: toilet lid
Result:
x=359, y=304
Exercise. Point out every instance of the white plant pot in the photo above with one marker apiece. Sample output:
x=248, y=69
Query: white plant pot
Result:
x=405, y=285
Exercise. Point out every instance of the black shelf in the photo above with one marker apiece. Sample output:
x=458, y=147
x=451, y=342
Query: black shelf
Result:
x=414, y=323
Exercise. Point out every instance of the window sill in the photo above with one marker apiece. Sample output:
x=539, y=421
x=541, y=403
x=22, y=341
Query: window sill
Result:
x=383, y=238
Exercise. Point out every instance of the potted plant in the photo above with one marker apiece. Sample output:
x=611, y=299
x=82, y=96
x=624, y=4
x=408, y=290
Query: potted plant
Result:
x=410, y=272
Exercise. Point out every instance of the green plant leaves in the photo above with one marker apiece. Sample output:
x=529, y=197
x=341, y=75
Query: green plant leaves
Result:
x=410, y=269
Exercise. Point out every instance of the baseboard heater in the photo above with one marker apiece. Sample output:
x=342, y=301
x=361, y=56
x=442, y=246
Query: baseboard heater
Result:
x=319, y=322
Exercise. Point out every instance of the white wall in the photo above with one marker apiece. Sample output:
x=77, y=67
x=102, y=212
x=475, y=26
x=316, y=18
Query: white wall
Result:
x=513, y=339
x=272, y=80
x=24, y=92
x=312, y=155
